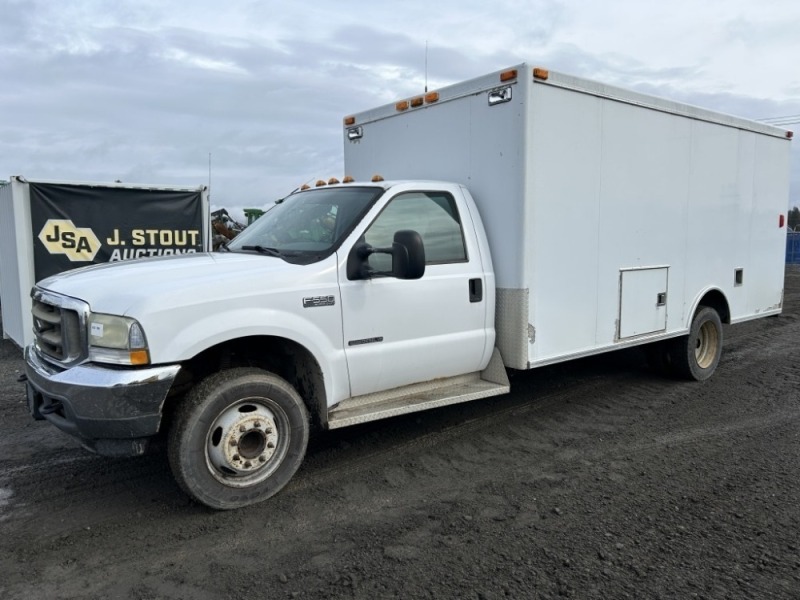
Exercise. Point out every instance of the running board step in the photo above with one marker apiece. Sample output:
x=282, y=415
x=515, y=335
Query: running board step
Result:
x=492, y=381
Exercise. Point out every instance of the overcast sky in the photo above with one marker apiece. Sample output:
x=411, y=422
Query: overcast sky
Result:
x=144, y=90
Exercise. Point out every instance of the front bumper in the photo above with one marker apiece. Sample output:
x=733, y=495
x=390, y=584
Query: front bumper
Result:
x=111, y=411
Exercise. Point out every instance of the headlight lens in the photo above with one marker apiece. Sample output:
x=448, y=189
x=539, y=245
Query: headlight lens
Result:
x=117, y=340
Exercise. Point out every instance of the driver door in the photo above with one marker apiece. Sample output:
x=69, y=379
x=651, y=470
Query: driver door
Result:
x=399, y=332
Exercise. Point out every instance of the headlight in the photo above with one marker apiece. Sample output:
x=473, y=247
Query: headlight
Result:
x=117, y=340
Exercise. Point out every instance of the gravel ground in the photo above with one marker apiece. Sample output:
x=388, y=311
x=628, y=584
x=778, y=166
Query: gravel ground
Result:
x=593, y=479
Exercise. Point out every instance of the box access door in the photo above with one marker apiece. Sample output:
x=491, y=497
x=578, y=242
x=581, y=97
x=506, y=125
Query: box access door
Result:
x=643, y=301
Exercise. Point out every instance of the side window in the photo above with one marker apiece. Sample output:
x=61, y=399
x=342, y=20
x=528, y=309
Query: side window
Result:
x=433, y=215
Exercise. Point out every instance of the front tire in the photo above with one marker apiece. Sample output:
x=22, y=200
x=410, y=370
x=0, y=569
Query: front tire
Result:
x=238, y=438
x=696, y=356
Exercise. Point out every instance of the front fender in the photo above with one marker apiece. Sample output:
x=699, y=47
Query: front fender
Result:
x=180, y=339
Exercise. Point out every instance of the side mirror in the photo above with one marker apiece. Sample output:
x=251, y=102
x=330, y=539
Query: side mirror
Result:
x=408, y=258
x=408, y=255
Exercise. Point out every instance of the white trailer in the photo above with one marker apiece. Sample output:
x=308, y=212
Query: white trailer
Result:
x=611, y=215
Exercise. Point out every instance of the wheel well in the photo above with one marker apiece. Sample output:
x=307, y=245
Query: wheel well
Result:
x=280, y=356
x=716, y=300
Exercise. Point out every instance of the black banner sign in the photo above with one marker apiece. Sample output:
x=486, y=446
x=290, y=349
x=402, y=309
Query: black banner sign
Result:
x=77, y=225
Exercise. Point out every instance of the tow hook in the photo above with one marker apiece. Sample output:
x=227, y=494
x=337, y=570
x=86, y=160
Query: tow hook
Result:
x=22, y=378
x=54, y=406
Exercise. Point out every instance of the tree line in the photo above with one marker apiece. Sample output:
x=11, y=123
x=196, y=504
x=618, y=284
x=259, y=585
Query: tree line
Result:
x=794, y=219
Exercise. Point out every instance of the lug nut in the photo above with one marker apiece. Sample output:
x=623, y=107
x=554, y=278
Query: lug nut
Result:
x=248, y=464
x=233, y=442
x=236, y=457
x=262, y=458
x=242, y=428
x=257, y=424
x=270, y=444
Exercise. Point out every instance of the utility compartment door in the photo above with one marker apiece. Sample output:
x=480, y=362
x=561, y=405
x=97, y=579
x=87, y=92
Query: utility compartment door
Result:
x=643, y=301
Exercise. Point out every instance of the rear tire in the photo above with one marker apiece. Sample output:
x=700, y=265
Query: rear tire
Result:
x=696, y=356
x=238, y=438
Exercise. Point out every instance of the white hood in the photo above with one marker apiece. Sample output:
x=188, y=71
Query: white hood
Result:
x=127, y=288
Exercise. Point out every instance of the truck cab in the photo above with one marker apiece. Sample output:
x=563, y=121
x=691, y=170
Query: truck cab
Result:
x=347, y=301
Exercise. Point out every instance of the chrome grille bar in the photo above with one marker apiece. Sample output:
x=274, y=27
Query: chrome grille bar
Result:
x=59, y=327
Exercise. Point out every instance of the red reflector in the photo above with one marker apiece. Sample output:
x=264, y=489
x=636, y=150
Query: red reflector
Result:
x=789, y=135
x=781, y=221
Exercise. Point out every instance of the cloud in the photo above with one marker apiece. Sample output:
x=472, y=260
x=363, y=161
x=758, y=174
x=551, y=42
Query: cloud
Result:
x=144, y=91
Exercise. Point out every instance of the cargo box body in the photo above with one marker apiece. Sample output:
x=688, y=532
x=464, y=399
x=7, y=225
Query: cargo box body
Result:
x=610, y=214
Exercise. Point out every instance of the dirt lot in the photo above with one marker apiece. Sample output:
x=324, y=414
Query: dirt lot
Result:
x=594, y=479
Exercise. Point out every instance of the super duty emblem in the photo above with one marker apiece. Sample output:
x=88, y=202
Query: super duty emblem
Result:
x=315, y=301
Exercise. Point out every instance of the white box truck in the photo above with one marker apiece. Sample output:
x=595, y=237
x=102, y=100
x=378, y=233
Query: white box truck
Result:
x=524, y=218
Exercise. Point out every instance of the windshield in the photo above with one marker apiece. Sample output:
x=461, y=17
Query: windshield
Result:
x=307, y=225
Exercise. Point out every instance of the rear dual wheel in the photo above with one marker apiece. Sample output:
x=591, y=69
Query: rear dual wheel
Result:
x=238, y=438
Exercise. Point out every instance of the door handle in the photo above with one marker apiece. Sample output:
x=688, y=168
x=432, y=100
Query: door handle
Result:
x=476, y=289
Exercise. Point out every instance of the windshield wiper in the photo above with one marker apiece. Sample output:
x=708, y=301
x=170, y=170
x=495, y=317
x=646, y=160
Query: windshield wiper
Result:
x=264, y=250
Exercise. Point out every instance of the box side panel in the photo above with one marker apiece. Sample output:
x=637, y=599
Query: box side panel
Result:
x=562, y=228
x=739, y=189
x=763, y=276
x=618, y=186
x=646, y=159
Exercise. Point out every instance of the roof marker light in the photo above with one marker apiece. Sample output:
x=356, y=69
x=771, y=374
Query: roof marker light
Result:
x=377, y=178
x=401, y=106
x=348, y=179
x=415, y=102
x=508, y=75
x=349, y=121
x=431, y=97
x=781, y=221
x=540, y=73
x=333, y=181
x=320, y=183
x=305, y=187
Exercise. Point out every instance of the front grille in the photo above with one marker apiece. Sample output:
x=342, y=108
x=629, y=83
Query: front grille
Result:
x=58, y=326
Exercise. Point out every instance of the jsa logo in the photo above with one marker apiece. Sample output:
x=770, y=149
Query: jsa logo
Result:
x=60, y=236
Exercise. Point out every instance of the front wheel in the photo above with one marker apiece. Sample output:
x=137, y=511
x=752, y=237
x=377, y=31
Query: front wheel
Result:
x=238, y=438
x=696, y=356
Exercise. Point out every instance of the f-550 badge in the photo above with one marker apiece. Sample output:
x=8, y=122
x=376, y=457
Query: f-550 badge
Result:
x=315, y=301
